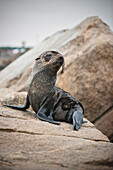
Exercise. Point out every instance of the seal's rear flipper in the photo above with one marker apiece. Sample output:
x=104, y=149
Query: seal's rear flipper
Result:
x=15, y=107
x=77, y=119
x=26, y=106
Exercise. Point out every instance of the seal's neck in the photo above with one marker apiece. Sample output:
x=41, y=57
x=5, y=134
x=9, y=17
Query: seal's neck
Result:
x=42, y=79
x=46, y=78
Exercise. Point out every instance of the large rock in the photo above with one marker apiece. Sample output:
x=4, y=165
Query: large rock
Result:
x=8, y=96
x=105, y=124
x=89, y=77
x=88, y=52
x=28, y=143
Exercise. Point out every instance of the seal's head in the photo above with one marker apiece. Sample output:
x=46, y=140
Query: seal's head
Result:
x=50, y=60
x=49, y=63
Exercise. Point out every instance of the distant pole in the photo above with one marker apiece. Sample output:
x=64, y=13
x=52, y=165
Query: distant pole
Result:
x=23, y=44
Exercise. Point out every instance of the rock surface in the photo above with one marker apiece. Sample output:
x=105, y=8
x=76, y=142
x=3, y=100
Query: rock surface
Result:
x=88, y=52
x=105, y=124
x=8, y=96
x=28, y=143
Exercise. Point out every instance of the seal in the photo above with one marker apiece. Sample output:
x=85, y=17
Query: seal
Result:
x=50, y=103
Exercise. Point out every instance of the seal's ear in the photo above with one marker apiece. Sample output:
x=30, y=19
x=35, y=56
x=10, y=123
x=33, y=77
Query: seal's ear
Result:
x=37, y=58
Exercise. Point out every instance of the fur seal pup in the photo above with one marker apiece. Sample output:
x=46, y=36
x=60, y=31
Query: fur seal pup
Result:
x=51, y=103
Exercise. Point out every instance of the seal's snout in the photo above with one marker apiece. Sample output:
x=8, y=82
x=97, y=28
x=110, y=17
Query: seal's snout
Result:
x=61, y=59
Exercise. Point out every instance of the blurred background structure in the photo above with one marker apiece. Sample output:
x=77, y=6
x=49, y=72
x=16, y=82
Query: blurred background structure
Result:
x=33, y=20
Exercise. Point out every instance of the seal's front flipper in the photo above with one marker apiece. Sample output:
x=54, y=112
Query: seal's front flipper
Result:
x=26, y=106
x=77, y=119
x=45, y=111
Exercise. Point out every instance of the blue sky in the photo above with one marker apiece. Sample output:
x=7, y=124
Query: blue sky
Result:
x=33, y=20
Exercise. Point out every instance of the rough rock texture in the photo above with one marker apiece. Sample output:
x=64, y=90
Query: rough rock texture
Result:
x=8, y=96
x=105, y=124
x=88, y=51
x=28, y=143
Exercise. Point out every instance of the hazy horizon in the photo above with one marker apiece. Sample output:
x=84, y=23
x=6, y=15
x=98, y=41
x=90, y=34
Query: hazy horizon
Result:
x=33, y=20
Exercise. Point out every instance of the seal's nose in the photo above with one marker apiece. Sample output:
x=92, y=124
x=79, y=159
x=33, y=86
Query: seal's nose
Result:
x=61, y=59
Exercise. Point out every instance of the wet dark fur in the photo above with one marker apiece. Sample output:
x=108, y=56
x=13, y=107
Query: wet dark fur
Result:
x=51, y=103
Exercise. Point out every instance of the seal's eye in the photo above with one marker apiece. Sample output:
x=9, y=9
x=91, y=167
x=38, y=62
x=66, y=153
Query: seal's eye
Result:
x=37, y=58
x=48, y=57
